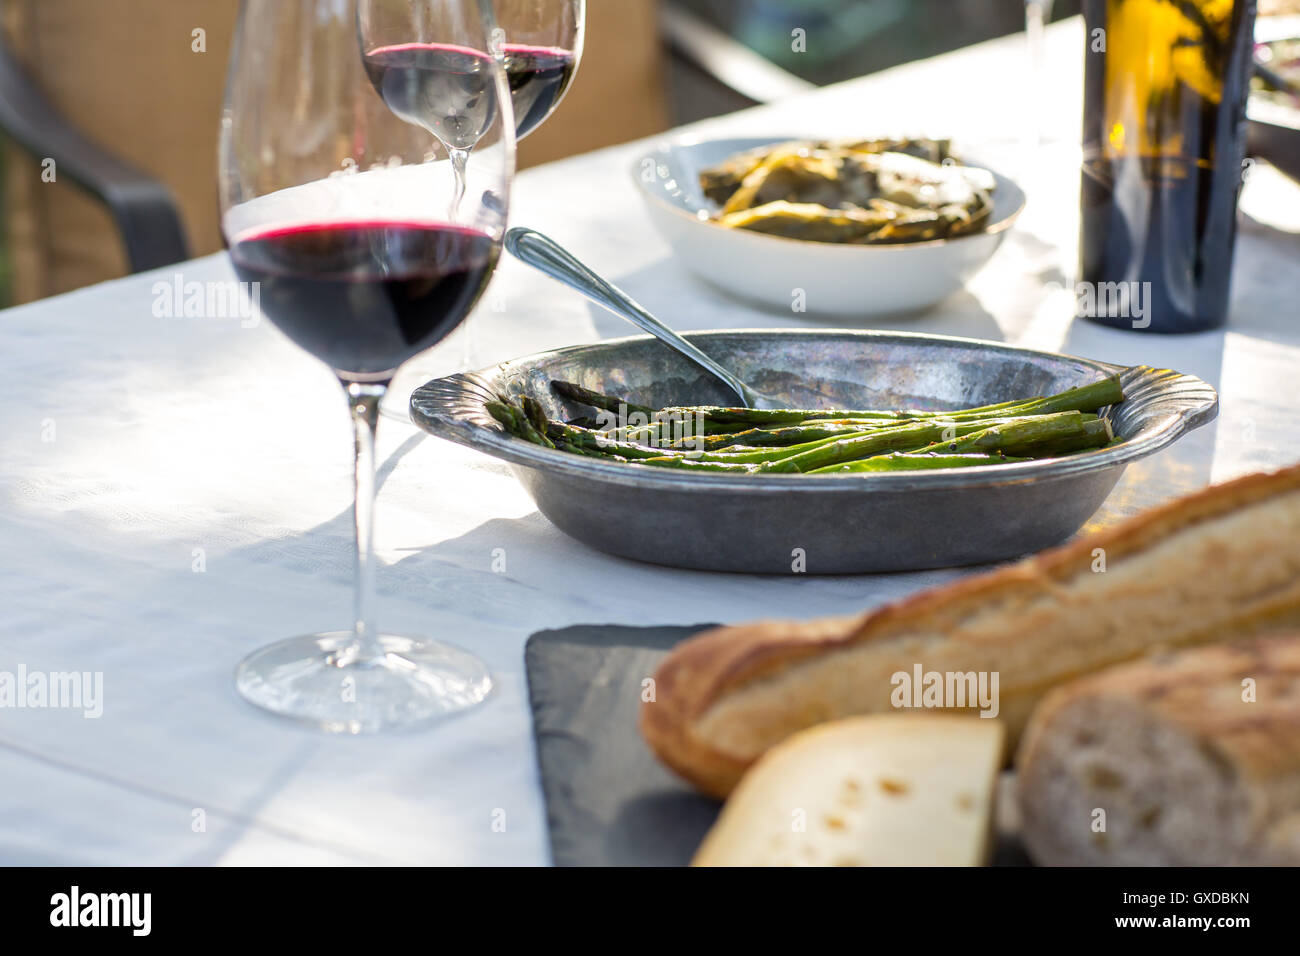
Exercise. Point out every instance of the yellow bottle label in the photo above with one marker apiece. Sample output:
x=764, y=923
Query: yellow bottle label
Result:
x=1164, y=60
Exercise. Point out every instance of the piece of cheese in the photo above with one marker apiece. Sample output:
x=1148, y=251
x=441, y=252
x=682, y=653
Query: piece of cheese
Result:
x=883, y=790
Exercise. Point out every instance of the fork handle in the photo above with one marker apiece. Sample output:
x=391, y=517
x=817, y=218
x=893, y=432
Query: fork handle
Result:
x=546, y=255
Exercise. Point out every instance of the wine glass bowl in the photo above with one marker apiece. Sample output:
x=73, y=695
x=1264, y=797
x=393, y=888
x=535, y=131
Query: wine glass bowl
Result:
x=440, y=88
x=389, y=289
x=368, y=243
x=540, y=44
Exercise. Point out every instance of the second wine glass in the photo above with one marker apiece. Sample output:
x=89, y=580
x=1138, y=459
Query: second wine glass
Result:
x=437, y=85
x=540, y=44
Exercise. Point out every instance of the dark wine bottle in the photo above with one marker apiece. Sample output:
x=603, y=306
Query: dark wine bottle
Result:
x=1163, y=142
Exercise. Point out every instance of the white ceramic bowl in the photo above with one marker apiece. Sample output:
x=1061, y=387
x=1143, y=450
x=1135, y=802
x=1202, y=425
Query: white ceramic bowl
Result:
x=829, y=278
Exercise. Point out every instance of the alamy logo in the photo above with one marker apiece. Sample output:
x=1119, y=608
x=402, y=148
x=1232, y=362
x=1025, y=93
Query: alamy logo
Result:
x=678, y=429
x=943, y=689
x=102, y=909
x=179, y=299
x=55, y=690
x=1114, y=300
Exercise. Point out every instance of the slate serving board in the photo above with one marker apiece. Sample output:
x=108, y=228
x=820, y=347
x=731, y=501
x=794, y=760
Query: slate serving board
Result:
x=608, y=801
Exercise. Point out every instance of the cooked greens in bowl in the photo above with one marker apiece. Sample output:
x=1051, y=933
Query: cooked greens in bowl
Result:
x=862, y=191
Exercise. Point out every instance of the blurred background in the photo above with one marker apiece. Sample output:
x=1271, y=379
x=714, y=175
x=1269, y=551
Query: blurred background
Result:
x=109, y=110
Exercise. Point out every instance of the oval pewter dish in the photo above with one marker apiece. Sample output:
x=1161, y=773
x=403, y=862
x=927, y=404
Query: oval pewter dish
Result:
x=840, y=523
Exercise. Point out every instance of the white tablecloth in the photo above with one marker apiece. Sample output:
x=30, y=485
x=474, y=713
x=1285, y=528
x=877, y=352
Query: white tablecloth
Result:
x=177, y=494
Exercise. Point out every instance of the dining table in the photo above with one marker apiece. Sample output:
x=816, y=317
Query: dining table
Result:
x=177, y=490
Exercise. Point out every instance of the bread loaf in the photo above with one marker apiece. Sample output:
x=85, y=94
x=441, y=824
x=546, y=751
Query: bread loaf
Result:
x=887, y=790
x=1220, y=564
x=1190, y=759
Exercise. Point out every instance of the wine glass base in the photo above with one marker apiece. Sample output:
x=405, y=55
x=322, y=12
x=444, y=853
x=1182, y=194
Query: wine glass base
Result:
x=414, y=682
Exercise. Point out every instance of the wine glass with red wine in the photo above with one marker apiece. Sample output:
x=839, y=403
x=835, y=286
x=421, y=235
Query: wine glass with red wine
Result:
x=367, y=249
x=436, y=84
x=540, y=43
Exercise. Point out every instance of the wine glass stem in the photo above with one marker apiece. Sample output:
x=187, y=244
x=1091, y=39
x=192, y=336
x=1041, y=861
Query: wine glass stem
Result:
x=363, y=402
x=459, y=161
x=468, y=342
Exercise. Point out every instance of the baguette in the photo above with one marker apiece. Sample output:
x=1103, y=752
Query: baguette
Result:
x=1166, y=762
x=886, y=790
x=1220, y=564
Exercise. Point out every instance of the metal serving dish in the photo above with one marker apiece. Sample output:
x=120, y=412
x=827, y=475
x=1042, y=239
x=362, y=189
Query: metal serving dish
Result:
x=842, y=523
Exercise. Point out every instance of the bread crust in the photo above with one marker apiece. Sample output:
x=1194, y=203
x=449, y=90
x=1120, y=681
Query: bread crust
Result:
x=1248, y=735
x=712, y=667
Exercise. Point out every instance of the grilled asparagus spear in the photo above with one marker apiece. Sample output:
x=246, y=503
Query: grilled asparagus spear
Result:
x=607, y=403
x=1020, y=431
x=904, y=461
x=1096, y=434
x=516, y=422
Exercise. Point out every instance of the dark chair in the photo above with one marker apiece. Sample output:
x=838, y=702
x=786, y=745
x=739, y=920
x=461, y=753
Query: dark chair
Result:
x=142, y=207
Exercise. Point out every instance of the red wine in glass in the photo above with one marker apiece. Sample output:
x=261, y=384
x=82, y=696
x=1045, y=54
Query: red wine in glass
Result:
x=441, y=87
x=364, y=297
x=539, y=78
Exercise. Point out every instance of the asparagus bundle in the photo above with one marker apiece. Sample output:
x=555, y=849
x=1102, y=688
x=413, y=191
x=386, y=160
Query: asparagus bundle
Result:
x=821, y=442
